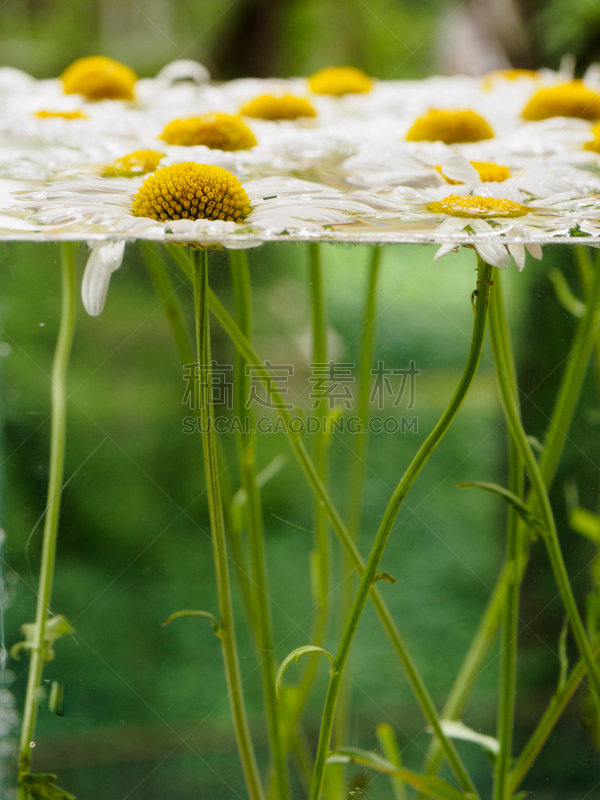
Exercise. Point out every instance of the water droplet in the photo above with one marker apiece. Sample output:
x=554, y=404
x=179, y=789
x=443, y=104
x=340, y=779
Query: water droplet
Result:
x=31, y=744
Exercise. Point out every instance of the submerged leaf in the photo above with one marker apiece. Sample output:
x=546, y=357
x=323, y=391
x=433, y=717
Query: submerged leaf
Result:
x=54, y=628
x=43, y=787
x=455, y=729
x=429, y=785
x=207, y=614
x=297, y=654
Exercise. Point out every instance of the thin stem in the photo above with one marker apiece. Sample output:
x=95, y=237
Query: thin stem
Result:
x=414, y=678
x=510, y=613
x=546, y=725
x=561, y=419
x=357, y=472
x=246, y=439
x=184, y=343
x=501, y=346
x=51, y=521
x=320, y=557
x=385, y=529
x=217, y=526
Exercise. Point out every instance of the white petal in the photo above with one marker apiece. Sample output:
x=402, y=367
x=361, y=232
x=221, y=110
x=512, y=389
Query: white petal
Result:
x=444, y=250
x=457, y=168
x=103, y=261
x=517, y=251
x=494, y=254
x=535, y=250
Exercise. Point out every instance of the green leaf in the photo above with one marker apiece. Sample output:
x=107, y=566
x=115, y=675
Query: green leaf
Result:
x=297, y=654
x=520, y=507
x=54, y=628
x=207, y=614
x=434, y=787
x=584, y=522
x=43, y=787
x=384, y=576
x=455, y=729
x=55, y=701
x=564, y=294
x=562, y=654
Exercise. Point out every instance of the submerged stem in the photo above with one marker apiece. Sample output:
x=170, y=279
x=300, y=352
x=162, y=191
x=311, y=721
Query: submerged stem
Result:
x=357, y=473
x=217, y=526
x=263, y=626
x=387, y=621
x=51, y=521
x=385, y=529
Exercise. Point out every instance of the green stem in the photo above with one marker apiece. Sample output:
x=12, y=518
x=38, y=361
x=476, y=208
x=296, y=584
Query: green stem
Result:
x=385, y=529
x=357, y=473
x=320, y=557
x=166, y=294
x=217, y=526
x=561, y=419
x=414, y=678
x=55, y=482
x=510, y=612
x=240, y=273
x=501, y=346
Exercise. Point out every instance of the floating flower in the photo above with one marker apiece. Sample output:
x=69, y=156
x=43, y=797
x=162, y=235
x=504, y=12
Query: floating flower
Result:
x=286, y=107
x=450, y=127
x=192, y=191
x=99, y=78
x=572, y=99
x=339, y=81
x=216, y=131
x=140, y=162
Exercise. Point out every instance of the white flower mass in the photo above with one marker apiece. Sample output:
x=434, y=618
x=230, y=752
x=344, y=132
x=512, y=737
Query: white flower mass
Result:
x=347, y=175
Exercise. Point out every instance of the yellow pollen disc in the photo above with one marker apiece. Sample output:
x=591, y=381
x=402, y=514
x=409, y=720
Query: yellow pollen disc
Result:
x=488, y=172
x=192, y=191
x=467, y=206
x=339, y=81
x=594, y=145
x=62, y=114
x=269, y=107
x=569, y=100
x=217, y=131
x=99, y=78
x=439, y=125
x=507, y=75
x=139, y=162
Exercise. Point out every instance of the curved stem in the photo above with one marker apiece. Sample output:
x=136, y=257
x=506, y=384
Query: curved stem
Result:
x=55, y=482
x=501, y=346
x=217, y=526
x=263, y=625
x=356, y=480
x=385, y=529
x=510, y=612
x=560, y=421
x=387, y=621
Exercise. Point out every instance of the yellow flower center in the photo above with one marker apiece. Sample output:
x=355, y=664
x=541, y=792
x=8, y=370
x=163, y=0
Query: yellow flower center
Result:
x=507, y=75
x=439, y=125
x=62, y=114
x=269, y=107
x=594, y=145
x=467, y=206
x=339, y=81
x=569, y=100
x=137, y=163
x=192, y=191
x=99, y=78
x=488, y=172
x=217, y=131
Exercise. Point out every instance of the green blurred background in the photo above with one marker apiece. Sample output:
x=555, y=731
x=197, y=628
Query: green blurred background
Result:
x=134, y=545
